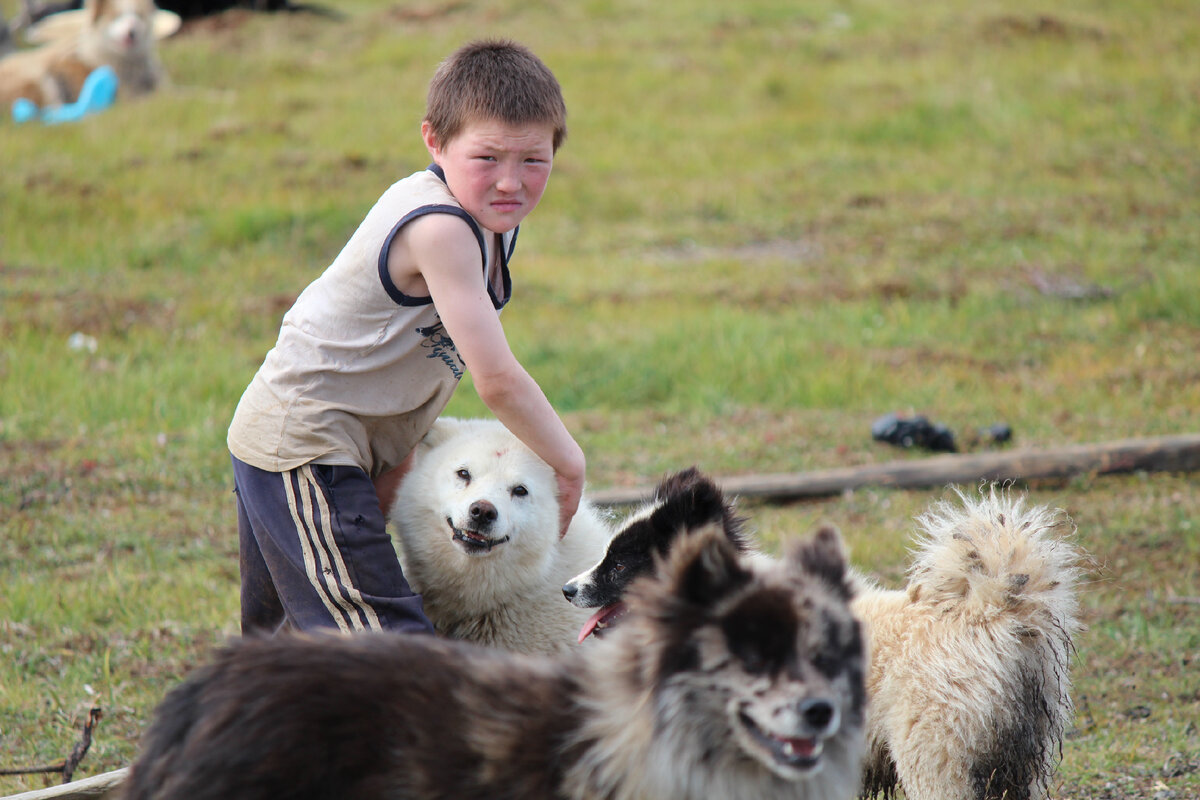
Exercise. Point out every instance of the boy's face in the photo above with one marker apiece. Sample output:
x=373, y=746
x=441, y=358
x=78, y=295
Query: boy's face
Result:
x=496, y=171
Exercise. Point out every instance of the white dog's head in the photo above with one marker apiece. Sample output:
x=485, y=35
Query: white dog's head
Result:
x=476, y=501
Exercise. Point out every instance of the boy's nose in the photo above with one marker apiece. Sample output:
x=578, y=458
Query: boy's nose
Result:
x=509, y=181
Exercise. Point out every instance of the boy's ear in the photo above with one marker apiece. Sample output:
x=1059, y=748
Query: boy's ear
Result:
x=431, y=142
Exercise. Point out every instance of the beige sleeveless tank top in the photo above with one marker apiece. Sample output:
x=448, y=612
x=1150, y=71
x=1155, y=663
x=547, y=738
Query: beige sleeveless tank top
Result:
x=360, y=371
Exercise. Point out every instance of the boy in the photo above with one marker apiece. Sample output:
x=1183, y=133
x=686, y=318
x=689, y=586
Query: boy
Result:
x=371, y=351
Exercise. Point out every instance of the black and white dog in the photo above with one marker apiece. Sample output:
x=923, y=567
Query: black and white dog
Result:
x=683, y=502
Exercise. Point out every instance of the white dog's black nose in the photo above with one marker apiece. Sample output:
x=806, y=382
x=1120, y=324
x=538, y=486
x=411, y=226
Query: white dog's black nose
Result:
x=482, y=513
x=570, y=590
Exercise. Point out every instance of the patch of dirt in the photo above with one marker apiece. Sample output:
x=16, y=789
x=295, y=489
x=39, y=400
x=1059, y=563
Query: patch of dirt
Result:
x=46, y=181
x=1065, y=285
x=93, y=313
x=931, y=359
x=866, y=201
x=1120, y=787
x=425, y=12
x=227, y=21
x=268, y=306
x=1010, y=27
x=17, y=271
x=790, y=293
x=773, y=249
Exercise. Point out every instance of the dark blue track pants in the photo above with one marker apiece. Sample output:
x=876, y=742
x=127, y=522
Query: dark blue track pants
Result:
x=315, y=553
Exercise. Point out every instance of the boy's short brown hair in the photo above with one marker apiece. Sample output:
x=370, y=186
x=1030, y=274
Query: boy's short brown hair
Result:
x=494, y=79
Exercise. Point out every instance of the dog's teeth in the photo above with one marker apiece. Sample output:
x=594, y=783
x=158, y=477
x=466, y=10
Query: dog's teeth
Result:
x=807, y=748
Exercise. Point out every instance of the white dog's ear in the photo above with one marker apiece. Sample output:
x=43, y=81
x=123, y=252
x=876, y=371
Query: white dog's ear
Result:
x=443, y=429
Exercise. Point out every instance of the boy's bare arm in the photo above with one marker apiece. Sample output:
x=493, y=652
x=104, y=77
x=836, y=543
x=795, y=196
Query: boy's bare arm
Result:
x=448, y=255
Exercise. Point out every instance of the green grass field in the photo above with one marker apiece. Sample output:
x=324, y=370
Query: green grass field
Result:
x=771, y=223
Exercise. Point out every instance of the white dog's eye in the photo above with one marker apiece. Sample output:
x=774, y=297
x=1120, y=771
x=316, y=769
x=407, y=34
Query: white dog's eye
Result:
x=463, y=475
x=519, y=491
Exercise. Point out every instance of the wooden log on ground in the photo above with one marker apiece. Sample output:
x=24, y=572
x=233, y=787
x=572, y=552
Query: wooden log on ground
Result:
x=97, y=787
x=1154, y=454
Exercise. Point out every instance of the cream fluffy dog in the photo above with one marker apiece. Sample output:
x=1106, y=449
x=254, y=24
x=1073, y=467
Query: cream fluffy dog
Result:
x=968, y=680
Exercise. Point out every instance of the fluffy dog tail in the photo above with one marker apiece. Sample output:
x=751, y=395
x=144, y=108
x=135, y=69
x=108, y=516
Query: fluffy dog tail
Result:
x=991, y=555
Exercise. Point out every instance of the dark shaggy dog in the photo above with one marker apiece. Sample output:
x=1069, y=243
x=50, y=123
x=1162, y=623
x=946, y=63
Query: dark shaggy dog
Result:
x=726, y=680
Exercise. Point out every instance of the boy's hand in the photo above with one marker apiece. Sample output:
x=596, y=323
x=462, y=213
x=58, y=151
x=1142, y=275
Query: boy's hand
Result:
x=570, y=492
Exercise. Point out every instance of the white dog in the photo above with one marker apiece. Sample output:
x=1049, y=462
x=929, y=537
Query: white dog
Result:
x=476, y=522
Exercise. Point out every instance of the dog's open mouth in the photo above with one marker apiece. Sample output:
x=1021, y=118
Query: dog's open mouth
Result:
x=795, y=752
x=599, y=622
x=473, y=542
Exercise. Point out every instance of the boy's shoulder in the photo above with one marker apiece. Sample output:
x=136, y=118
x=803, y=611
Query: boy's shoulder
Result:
x=420, y=200
x=424, y=187
x=423, y=202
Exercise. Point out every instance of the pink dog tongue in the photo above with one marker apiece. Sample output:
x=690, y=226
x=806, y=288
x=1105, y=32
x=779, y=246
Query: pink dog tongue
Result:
x=596, y=619
x=590, y=625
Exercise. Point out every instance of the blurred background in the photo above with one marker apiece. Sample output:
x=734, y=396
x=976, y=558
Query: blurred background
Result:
x=771, y=223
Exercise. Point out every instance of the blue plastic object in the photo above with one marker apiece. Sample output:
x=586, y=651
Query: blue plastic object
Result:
x=98, y=92
x=24, y=109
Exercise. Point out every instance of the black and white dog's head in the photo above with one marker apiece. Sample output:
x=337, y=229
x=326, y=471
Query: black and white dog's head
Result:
x=684, y=503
